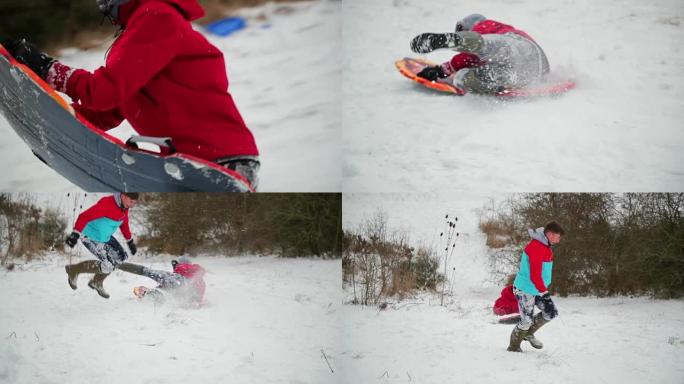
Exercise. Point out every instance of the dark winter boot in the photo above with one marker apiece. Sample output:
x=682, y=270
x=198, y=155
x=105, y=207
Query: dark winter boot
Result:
x=132, y=268
x=96, y=284
x=538, y=322
x=428, y=42
x=73, y=270
x=517, y=337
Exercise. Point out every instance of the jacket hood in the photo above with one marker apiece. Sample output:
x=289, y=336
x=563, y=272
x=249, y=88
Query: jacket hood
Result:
x=190, y=9
x=119, y=203
x=190, y=271
x=538, y=234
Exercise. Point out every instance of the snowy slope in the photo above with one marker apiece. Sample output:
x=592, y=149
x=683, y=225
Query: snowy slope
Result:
x=284, y=73
x=610, y=340
x=620, y=130
x=266, y=321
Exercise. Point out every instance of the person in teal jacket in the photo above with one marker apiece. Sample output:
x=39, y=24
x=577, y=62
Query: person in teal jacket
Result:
x=97, y=225
x=530, y=285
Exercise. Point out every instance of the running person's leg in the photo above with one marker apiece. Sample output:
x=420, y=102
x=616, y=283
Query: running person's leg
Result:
x=548, y=312
x=111, y=254
x=526, y=305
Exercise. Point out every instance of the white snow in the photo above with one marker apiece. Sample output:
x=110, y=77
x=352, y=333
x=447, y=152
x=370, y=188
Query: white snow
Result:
x=620, y=130
x=594, y=340
x=284, y=73
x=266, y=320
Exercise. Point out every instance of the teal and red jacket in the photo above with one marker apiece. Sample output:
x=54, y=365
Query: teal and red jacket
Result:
x=536, y=264
x=100, y=221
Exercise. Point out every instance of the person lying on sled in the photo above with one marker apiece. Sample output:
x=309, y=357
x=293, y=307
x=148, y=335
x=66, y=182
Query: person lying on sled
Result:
x=493, y=57
x=186, y=282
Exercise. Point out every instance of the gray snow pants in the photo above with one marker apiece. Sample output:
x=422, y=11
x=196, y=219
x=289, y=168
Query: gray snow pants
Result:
x=511, y=61
x=246, y=166
x=110, y=254
x=526, y=304
x=166, y=280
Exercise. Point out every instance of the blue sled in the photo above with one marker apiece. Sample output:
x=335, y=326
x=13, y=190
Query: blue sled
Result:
x=225, y=27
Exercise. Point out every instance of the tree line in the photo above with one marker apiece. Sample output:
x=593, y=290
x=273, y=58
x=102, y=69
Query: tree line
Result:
x=289, y=225
x=630, y=243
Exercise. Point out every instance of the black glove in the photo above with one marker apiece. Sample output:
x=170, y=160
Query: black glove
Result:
x=132, y=247
x=547, y=306
x=432, y=73
x=72, y=239
x=29, y=54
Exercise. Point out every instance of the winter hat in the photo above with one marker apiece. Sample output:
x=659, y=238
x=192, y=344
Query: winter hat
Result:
x=110, y=7
x=468, y=22
x=180, y=260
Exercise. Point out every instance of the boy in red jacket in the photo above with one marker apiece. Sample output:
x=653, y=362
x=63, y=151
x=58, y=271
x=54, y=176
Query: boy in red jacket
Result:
x=493, y=56
x=186, y=281
x=96, y=225
x=163, y=77
x=530, y=285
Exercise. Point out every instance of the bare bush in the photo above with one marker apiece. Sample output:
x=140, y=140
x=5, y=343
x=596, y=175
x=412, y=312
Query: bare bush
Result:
x=25, y=229
x=378, y=262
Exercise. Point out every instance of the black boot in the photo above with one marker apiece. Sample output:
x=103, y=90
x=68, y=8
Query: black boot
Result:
x=428, y=42
x=73, y=270
x=517, y=337
x=96, y=284
x=538, y=322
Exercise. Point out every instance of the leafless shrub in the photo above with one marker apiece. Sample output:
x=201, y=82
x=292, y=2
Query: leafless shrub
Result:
x=378, y=262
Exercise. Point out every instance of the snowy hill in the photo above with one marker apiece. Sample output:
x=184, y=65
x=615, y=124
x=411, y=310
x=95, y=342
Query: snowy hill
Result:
x=284, y=73
x=415, y=340
x=266, y=320
x=620, y=130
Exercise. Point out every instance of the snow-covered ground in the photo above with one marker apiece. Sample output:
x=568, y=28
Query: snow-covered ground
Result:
x=266, y=320
x=616, y=340
x=285, y=75
x=594, y=340
x=620, y=130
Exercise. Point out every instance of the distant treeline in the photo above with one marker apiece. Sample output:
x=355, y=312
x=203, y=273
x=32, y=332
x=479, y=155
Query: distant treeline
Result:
x=51, y=23
x=614, y=244
x=289, y=224
x=26, y=230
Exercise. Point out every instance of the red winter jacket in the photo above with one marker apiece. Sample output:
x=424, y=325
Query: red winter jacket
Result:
x=538, y=254
x=507, y=303
x=166, y=79
x=100, y=221
x=484, y=27
x=194, y=273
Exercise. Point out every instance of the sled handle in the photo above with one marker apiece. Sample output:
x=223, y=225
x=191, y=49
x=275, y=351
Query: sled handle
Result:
x=160, y=141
